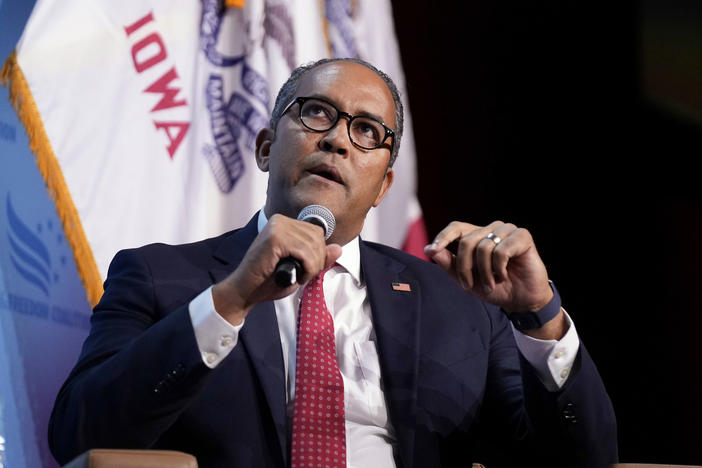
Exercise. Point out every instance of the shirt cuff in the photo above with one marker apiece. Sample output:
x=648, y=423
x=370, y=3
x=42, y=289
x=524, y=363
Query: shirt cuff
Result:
x=214, y=335
x=552, y=359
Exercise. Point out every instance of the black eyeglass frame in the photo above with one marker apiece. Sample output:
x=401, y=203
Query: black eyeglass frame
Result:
x=389, y=132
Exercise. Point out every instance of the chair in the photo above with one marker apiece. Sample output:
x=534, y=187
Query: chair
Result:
x=113, y=458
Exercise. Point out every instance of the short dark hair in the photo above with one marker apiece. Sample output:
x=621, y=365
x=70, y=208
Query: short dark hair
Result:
x=289, y=88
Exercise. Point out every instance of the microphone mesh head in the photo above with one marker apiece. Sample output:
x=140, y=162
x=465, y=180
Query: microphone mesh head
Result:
x=321, y=216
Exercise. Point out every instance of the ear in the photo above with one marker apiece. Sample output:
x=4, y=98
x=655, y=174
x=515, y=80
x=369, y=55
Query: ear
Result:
x=264, y=140
x=387, y=182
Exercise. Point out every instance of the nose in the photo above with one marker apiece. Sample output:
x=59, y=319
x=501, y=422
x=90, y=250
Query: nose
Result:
x=336, y=139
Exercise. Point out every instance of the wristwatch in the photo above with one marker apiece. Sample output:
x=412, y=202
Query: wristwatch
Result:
x=529, y=320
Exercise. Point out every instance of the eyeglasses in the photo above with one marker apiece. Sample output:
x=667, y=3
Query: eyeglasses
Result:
x=320, y=116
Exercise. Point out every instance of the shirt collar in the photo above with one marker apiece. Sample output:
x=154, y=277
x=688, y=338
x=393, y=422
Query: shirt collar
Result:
x=350, y=258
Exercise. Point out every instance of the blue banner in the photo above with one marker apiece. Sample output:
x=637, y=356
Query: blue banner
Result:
x=44, y=314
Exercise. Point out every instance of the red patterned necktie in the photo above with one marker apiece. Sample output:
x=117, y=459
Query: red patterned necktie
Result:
x=319, y=433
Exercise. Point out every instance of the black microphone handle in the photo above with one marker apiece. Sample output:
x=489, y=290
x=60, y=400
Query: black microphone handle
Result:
x=289, y=270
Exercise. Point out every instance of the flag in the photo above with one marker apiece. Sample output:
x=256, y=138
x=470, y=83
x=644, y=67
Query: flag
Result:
x=143, y=115
x=365, y=29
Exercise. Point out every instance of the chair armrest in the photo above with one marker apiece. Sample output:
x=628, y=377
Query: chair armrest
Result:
x=115, y=458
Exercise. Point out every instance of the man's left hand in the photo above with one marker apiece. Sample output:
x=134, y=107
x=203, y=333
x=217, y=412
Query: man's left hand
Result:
x=499, y=264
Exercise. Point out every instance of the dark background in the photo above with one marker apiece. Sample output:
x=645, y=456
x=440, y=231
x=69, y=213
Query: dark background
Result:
x=544, y=113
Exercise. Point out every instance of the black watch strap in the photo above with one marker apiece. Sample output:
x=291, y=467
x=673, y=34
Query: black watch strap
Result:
x=530, y=320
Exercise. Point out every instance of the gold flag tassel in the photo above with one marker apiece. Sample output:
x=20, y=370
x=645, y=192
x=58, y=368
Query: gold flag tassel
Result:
x=21, y=99
x=235, y=3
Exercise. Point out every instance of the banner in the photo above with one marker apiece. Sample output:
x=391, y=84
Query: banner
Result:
x=44, y=315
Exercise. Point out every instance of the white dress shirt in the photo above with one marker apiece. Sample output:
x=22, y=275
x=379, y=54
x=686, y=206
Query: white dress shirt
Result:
x=369, y=433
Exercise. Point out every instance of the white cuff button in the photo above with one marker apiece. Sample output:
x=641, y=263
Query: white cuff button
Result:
x=226, y=341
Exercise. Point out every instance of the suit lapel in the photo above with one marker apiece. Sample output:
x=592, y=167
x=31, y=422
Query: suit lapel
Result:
x=259, y=336
x=395, y=322
x=232, y=249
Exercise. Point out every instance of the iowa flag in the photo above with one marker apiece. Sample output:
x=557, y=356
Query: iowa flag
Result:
x=143, y=115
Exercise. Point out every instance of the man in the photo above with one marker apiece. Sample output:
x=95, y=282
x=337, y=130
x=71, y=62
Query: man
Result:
x=194, y=347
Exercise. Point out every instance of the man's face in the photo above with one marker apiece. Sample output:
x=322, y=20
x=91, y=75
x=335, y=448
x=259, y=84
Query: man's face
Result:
x=326, y=168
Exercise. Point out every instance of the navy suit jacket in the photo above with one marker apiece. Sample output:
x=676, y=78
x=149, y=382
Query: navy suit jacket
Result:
x=454, y=382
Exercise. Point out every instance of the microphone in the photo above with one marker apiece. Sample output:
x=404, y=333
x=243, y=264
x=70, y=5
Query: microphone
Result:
x=290, y=269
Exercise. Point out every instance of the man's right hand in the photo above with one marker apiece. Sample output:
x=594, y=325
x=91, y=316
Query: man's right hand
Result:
x=252, y=282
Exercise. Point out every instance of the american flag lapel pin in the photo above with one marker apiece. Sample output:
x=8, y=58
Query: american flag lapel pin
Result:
x=401, y=287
